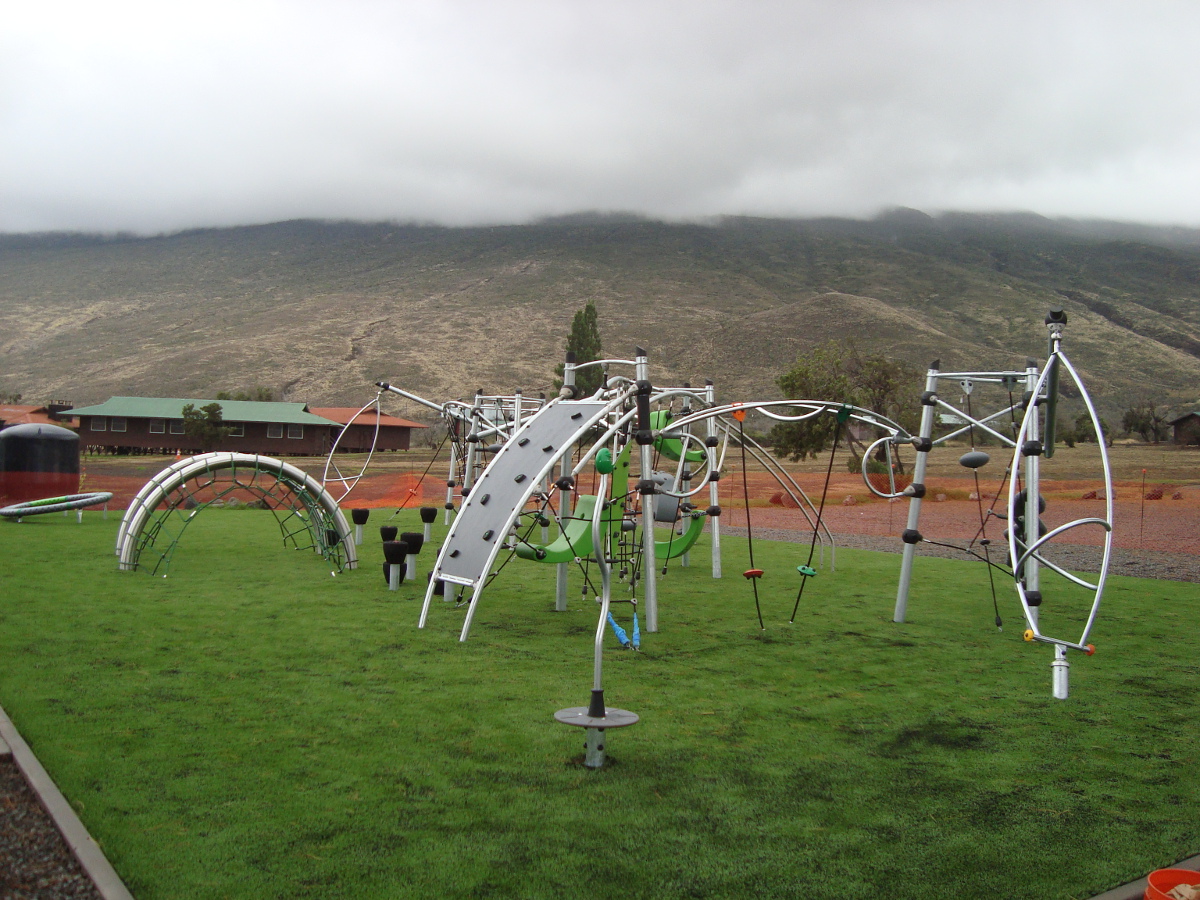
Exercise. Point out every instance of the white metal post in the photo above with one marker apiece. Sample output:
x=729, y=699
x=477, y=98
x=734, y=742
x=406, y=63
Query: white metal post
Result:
x=714, y=495
x=1029, y=571
x=684, y=484
x=566, y=499
x=452, y=478
x=645, y=439
x=911, y=534
x=1060, y=671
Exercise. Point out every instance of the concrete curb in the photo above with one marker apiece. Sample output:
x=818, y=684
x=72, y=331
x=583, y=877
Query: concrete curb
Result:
x=82, y=845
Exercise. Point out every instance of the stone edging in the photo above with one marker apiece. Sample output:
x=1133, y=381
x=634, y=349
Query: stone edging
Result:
x=82, y=845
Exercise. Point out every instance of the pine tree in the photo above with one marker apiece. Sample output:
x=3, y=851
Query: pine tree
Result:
x=584, y=342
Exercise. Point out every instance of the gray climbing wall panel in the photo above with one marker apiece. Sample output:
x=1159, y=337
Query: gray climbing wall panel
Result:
x=500, y=493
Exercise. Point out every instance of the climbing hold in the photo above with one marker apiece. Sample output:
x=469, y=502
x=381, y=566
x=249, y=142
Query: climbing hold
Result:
x=753, y=573
x=974, y=460
x=604, y=462
x=807, y=571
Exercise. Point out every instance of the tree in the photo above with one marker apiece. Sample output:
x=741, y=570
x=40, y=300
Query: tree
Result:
x=1086, y=434
x=1147, y=419
x=1065, y=432
x=840, y=373
x=584, y=342
x=821, y=375
x=204, y=426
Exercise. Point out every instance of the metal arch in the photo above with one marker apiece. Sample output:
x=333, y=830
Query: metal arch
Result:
x=811, y=407
x=323, y=510
x=887, y=441
x=1031, y=553
x=150, y=485
x=894, y=432
x=353, y=480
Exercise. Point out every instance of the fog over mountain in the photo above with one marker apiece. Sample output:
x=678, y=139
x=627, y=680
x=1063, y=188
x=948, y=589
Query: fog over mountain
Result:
x=152, y=117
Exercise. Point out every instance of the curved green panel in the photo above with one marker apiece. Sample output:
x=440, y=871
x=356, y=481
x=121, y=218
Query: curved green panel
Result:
x=671, y=448
x=670, y=549
x=576, y=539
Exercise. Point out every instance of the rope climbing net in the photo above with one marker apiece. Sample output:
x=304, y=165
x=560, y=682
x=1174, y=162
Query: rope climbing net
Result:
x=307, y=515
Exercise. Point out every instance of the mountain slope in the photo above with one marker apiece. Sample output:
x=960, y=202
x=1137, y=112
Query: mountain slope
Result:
x=321, y=310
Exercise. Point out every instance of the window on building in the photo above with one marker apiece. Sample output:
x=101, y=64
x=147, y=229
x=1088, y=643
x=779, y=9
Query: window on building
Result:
x=296, y=432
x=99, y=423
x=158, y=426
x=237, y=429
x=274, y=430
x=116, y=423
x=177, y=426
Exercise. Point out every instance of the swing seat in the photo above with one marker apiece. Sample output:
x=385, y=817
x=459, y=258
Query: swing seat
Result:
x=753, y=573
x=808, y=571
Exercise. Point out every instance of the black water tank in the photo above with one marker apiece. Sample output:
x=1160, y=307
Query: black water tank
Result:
x=37, y=461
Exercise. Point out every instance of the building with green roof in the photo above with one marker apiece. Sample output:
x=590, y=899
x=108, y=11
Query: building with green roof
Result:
x=155, y=425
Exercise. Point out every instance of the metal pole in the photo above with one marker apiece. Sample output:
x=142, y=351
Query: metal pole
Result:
x=645, y=439
x=1060, y=670
x=1032, y=453
x=684, y=483
x=924, y=444
x=452, y=478
x=714, y=496
x=566, y=501
x=468, y=477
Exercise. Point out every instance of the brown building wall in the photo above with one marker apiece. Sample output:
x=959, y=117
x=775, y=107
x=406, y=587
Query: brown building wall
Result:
x=137, y=436
x=358, y=438
x=1188, y=430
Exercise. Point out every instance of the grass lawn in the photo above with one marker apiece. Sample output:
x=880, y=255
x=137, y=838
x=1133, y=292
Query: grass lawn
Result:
x=252, y=727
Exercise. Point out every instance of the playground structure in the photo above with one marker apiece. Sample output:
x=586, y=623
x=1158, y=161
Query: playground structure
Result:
x=308, y=516
x=77, y=502
x=518, y=465
x=40, y=473
x=479, y=430
x=493, y=515
x=603, y=527
x=1026, y=536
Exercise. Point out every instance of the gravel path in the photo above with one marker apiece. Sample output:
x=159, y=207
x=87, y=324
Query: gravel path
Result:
x=1134, y=563
x=34, y=859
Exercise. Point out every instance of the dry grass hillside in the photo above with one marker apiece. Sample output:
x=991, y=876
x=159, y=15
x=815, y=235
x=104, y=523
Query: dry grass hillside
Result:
x=319, y=311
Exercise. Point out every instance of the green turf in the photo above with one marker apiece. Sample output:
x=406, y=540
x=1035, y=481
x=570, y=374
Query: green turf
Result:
x=251, y=726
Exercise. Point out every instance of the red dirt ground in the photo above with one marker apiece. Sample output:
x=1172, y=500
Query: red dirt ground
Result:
x=1165, y=524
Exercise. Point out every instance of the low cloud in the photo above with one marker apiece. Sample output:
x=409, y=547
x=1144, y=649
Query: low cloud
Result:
x=152, y=117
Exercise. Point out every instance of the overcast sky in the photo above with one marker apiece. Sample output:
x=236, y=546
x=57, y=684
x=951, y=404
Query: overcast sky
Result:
x=166, y=115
